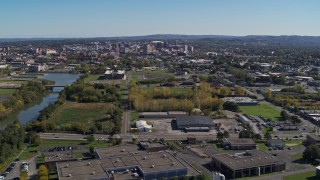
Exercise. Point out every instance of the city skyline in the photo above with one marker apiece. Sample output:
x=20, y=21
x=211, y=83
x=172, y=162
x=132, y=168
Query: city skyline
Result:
x=67, y=19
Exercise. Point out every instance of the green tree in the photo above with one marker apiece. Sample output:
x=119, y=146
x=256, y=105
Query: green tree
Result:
x=226, y=134
x=284, y=115
x=220, y=135
x=90, y=138
x=245, y=134
x=231, y=106
x=312, y=152
x=268, y=135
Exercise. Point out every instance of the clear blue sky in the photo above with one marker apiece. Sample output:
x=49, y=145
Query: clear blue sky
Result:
x=93, y=18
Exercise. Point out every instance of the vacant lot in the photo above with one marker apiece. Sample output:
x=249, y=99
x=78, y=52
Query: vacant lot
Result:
x=307, y=175
x=85, y=113
x=263, y=109
x=157, y=74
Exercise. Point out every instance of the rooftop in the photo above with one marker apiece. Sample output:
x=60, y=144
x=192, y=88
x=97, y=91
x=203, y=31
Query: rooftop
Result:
x=246, y=159
x=239, y=141
x=194, y=121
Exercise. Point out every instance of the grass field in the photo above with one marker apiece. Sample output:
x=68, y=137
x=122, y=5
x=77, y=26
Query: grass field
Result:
x=264, y=110
x=85, y=113
x=302, y=176
x=92, y=77
x=134, y=115
x=7, y=91
x=12, y=82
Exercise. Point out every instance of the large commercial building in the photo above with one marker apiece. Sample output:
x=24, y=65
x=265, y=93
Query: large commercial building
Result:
x=194, y=123
x=123, y=162
x=249, y=163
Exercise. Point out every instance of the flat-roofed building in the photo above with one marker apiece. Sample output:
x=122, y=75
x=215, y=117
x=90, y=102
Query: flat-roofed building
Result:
x=239, y=143
x=194, y=123
x=122, y=162
x=249, y=163
x=142, y=126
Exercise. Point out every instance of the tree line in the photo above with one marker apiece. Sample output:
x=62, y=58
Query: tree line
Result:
x=27, y=94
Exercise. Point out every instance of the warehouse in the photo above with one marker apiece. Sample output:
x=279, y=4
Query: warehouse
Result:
x=249, y=163
x=123, y=162
x=194, y=123
x=239, y=143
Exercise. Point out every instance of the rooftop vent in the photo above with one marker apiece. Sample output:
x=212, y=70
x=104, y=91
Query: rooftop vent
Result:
x=145, y=157
x=172, y=163
x=266, y=157
x=152, y=166
x=69, y=175
x=123, y=150
x=67, y=165
x=89, y=163
x=92, y=173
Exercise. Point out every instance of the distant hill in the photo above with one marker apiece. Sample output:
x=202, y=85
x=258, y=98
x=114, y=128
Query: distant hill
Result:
x=310, y=41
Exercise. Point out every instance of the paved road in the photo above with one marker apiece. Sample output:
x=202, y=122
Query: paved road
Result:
x=128, y=137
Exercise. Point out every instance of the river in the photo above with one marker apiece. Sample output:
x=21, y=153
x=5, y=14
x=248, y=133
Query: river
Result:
x=32, y=113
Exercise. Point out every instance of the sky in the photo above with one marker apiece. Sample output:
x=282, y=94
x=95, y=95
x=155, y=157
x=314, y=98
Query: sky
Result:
x=106, y=18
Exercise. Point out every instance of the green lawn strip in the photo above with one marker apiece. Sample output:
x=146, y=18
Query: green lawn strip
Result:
x=7, y=91
x=32, y=150
x=301, y=176
x=263, y=109
x=12, y=82
x=296, y=156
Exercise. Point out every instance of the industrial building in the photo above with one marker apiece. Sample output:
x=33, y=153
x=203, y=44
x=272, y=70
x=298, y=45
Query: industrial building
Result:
x=142, y=126
x=241, y=101
x=239, y=144
x=249, y=163
x=123, y=162
x=115, y=74
x=194, y=123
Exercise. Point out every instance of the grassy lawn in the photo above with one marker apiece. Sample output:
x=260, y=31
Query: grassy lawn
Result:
x=85, y=113
x=7, y=91
x=92, y=77
x=262, y=146
x=134, y=116
x=307, y=175
x=263, y=109
x=12, y=82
